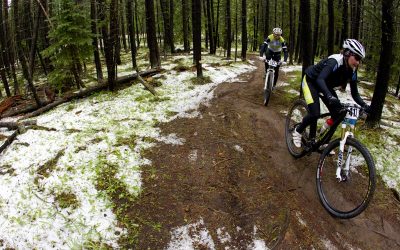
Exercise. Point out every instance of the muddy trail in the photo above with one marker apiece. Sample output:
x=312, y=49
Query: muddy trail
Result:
x=234, y=179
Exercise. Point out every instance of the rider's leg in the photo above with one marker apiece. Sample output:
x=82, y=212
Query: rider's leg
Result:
x=276, y=57
x=276, y=75
x=312, y=99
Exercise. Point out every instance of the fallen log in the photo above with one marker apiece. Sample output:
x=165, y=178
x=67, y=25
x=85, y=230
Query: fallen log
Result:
x=35, y=111
x=147, y=86
x=17, y=125
x=8, y=102
x=9, y=140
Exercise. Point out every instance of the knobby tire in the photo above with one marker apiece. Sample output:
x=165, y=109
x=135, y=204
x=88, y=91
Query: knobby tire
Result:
x=268, y=90
x=294, y=117
x=349, y=198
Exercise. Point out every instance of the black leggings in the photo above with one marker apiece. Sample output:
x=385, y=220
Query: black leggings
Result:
x=312, y=96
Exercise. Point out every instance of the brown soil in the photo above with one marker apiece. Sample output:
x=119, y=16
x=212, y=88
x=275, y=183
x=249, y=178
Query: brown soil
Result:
x=262, y=186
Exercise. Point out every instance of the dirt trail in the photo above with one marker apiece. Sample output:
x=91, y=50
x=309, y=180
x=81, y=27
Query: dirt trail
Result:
x=234, y=172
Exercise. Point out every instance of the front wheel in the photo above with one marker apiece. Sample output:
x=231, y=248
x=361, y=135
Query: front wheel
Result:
x=268, y=87
x=293, y=119
x=349, y=196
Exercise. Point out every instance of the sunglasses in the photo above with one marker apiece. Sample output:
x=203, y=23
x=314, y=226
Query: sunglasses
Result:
x=357, y=57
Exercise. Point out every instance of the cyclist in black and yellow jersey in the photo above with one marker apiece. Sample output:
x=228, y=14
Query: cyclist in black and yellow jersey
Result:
x=335, y=71
x=272, y=47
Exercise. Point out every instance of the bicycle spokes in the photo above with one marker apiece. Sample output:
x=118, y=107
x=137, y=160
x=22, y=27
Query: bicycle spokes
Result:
x=346, y=182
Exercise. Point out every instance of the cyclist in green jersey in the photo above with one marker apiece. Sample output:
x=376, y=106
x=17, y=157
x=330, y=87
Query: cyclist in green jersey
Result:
x=272, y=47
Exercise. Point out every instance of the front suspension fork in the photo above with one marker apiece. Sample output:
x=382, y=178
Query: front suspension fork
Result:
x=346, y=168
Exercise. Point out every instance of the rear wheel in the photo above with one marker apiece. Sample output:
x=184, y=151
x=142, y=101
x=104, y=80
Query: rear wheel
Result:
x=349, y=197
x=268, y=89
x=293, y=119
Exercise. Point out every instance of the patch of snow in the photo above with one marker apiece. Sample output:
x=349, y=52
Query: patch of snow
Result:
x=191, y=236
x=223, y=236
x=302, y=222
x=238, y=148
x=328, y=244
x=193, y=155
x=291, y=68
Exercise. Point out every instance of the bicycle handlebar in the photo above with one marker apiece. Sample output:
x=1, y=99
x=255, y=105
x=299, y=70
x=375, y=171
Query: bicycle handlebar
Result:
x=353, y=109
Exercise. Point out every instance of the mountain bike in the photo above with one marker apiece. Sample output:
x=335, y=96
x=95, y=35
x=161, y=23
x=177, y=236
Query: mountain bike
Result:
x=269, y=79
x=346, y=170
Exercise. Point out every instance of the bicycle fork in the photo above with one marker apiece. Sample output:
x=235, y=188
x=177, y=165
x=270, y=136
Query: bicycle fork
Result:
x=346, y=168
x=266, y=78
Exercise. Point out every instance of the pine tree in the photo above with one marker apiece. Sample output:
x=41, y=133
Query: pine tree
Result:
x=71, y=44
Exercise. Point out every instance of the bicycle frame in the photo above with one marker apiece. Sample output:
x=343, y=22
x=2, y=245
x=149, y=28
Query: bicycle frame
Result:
x=347, y=117
x=272, y=64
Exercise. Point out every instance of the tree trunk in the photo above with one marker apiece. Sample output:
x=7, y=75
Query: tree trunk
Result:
x=151, y=35
x=315, y=33
x=228, y=29
x=236, y=29
x=216, y=39
x=345, y=21
x=185, y=24
x=10, y=48
x=93, y=15
x=292, y=34
x=27, y=70
x=397, y=88
x=385, y=63
x=4, y=62
x=4, y=78
x=331, y=28
x=244, y=29
x=137, y=25
x=158, y=31
x=275, y=12
x=171, y=25
x=255, y=22
x=205, y=23
x=131, y=31
x=110, y=40
x=18, y=29
x=166, y=14
x=305, y=33
x=355, y=19
x=196, y=23
x=210, y=25
x=298, y=41
x=266, y=18
x=122, y=26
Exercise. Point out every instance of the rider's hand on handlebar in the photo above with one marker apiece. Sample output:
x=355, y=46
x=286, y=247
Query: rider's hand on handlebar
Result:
x=367, y=108
x=335, y=103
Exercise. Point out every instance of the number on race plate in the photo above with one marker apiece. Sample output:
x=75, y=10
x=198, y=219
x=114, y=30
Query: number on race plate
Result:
x=272, y=63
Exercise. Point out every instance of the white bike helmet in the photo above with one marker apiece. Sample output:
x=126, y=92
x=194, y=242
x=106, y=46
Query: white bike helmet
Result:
x=277, y=31
x=354, y=46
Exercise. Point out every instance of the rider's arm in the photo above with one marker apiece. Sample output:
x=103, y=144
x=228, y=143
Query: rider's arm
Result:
x=329, y=66
x=354, y=91
x=264, y=47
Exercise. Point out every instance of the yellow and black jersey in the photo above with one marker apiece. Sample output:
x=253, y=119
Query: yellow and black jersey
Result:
x=274, y=46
